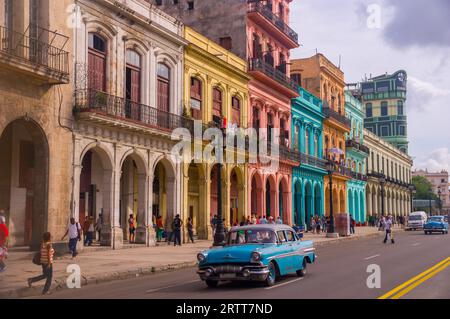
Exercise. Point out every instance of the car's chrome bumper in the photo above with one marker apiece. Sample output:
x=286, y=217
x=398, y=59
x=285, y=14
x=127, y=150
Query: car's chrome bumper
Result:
x=243, y=274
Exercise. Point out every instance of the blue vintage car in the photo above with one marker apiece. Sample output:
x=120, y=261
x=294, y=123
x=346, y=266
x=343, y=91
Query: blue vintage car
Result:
x=436, y=224
x=256, y=253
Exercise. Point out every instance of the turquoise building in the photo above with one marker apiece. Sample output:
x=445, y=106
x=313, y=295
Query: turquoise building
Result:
x=356, y=155
x=308, y=178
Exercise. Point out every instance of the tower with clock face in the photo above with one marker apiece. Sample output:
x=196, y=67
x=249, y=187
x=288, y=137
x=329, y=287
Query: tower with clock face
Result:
x=384, y=101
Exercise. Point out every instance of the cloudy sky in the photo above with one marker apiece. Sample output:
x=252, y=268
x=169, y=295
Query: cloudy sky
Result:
x=379, y=36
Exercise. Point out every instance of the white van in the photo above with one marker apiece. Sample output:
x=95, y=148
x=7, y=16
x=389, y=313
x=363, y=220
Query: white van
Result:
x=416, y=220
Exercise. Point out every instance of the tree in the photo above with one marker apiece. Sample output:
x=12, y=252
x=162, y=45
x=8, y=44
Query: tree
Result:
x=423, y=187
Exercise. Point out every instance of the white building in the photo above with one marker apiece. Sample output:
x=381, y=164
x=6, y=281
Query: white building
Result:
x=389, y=178
x=128, y=99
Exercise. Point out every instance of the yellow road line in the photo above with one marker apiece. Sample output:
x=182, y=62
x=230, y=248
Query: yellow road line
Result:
x=416, y=278
x=420, y=281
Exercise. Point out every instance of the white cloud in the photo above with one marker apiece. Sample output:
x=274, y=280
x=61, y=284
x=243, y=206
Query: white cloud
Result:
x=423, y=96
x=437, y=161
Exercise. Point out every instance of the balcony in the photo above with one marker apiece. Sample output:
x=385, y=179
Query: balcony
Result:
x=263, y=70
x=289, y=155
x=314, y=161
x=118, y=111
x=332, y=114
x=34, y=57
x=264, y=15
x=358, y=176
x=357, y=146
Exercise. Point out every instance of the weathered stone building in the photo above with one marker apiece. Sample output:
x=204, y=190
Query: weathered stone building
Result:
x=35, y=112
x=128, y=99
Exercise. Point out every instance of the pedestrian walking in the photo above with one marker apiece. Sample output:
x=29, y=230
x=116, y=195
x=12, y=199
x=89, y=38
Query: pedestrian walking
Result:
x=159, y=228
x=98, y=226
x=46, y=261
x=214, y=224
x=74, y=232
x=132, y=228
x=190, y=228
x=176, y=227
x=271, y=220
x=254, y=221
x=388, y=230
x=4, y=234
x=352, y=225
x=88, y=229
x=279, y=221
x=313, y=225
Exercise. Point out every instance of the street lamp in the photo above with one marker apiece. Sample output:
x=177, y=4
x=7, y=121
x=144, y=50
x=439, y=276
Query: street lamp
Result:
x=331, y=231
x=382, y=182
x=219, y=235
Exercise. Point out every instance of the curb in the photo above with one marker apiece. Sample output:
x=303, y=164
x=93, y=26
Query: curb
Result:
x=59, y=284
x=341, y=239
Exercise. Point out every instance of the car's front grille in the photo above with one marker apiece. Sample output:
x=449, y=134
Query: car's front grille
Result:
x=226, y=269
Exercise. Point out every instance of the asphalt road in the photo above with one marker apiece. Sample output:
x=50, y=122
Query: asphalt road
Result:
x=340, y=272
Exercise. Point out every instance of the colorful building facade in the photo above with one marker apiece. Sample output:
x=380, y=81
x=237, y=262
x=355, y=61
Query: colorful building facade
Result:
x=356, y=154
x=308, y=177
x=216, y=85
x=322, y=78
x=259, y=33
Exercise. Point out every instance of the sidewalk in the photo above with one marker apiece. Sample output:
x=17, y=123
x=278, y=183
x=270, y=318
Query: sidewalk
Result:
x=101, y=265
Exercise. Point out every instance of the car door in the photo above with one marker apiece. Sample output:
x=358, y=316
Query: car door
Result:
x=295, y=247
x=284, y=257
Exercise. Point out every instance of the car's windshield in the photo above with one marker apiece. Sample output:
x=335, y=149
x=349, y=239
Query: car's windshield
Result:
x=436, y=219
x=415, y=217
x=251, y=236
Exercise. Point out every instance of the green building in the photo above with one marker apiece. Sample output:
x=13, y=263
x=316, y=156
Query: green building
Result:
x=384, y=98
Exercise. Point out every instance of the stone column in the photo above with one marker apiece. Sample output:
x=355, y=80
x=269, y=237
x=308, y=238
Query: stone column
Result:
x=142, y=215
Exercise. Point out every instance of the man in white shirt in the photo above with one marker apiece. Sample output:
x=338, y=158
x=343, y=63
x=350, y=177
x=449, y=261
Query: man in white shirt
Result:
x=388, y=229
x=74, y=232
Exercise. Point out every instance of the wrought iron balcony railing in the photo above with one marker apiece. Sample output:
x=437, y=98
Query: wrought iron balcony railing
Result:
x=35, y=52
x=257, y=64
x=289, y=154
x=358, y=146
x=330, y=113
x=314, y=161
x=258, y=7
x=359, y=176
x=122, y=109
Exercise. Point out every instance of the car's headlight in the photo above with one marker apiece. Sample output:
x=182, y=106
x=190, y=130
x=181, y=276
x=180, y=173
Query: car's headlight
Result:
x=255, y=257
x=201, y=257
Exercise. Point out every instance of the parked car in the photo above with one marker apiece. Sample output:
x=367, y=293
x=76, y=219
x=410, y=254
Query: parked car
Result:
x=261, y=253
x=436, y=224
x=416, y=220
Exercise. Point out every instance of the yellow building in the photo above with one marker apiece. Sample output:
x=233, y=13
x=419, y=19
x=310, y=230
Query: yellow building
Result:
x=326, y=81
x=216, y=87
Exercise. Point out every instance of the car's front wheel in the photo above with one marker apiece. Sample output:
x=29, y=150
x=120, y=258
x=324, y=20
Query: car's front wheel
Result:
x=302, y=272
x=212, y=283
x=272, y=277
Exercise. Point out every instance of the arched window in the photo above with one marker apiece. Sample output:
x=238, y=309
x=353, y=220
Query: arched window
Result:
x=196, y=98
x=217, y=105
x=163, y=87
x=97, y=54
x=236, y=111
